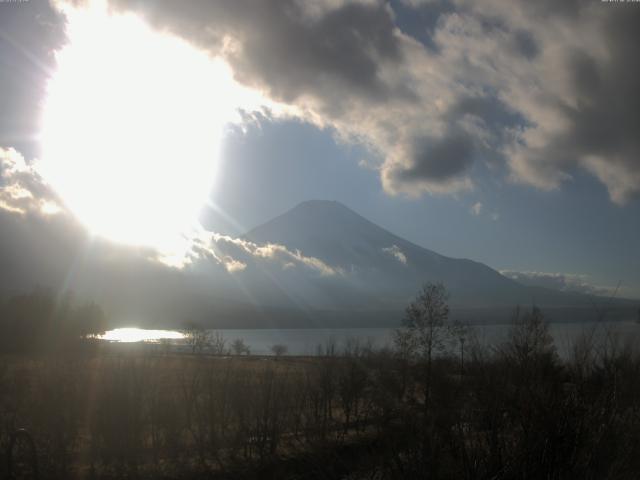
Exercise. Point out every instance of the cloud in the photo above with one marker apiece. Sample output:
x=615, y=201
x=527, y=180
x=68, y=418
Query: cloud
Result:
x=540, y=89
x=22, y=190
x=397, y=252
x=236, y=254
x=575, y=90
x=564, y=282
x=232, y=265
x=431, y=163
x=478, y=208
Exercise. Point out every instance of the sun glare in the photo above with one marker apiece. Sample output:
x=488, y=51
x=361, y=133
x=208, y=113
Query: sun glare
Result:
x=131, y=335
x=132, y=125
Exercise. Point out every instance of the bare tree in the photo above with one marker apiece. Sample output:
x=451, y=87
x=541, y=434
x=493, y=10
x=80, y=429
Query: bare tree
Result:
x=239, y=347
x=328, y=349
x=196, y=337
x=424, y=333
x=460, y=333
x=279, y=349
x=218, y=344
x=529, y=338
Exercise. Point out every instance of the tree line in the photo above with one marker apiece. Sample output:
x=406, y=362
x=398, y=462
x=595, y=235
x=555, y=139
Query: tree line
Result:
x=41, y=320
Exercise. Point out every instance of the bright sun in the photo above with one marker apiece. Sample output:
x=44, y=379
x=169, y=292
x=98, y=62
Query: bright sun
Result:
x=132, y=126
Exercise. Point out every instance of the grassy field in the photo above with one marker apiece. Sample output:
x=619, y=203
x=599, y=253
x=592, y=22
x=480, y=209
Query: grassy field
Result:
x=135, y=413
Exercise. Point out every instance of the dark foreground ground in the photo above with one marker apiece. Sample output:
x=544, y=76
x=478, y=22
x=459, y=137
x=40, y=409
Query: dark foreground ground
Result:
x=514, y=411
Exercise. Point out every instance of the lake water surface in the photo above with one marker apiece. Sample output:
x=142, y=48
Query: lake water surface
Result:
x=307, y=341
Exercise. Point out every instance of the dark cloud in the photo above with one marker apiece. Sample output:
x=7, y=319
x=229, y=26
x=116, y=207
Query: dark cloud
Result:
x=29, y=34
x=487, y=107
x=475, y=130
x=419, y=19
x=291, y=49
x=341, y=50
x=603, y=125
x=525, y=44
x=552, y=9
x=439, y=159
x=606, y=122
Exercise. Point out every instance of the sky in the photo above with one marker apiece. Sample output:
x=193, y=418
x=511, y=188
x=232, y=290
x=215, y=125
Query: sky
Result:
x=504, y=132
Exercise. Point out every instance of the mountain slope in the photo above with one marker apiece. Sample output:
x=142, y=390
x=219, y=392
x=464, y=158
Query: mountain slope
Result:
x=386, y=269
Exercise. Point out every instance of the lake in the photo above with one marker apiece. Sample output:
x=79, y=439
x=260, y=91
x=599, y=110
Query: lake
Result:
x=306, y=341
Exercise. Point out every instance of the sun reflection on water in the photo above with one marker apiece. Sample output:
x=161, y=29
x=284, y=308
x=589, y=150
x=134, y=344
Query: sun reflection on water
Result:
x=131, y=335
